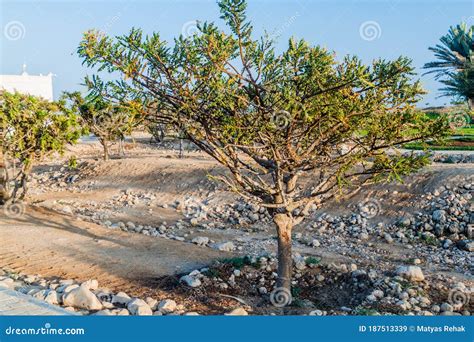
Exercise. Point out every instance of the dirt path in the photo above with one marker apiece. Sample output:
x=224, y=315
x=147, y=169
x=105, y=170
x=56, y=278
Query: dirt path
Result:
x=46, y=243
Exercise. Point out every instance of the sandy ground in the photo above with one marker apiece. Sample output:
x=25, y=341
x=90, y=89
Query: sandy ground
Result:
x=46, y=243
x=52, y=244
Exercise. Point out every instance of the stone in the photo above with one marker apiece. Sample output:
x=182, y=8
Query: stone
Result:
x=105, y=312
x=388, y=238
x=466, y=245
x=190, y=281
x=316, y=313
x=121, y=298
x=315, y=243
x=439, y=216
x=82, y=298
x=6, y=282
x=153, y=303
x=224, y=246
x=139, y=307
x=167, y=306
x=121, y=312
x=237, y=312
x=52, y=297
x=413, y=273
x=371, y=298
x=378, y=293
x=446, y=307
x=200, y=240
x=67, y=288
x=91, y=284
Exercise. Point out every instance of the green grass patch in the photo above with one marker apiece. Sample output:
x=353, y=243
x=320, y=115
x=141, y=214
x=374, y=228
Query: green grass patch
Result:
x=419, y=147
x=239, y=262
x=312, y=261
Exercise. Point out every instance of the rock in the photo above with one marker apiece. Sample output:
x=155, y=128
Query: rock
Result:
x=237, y=312
x=446, y=307
x=224, y=246
x=167, y=306
x=82, y=298
x=466, y=245
x=139, y=307
x=316, y=313
x=413, y=273
x=315, y=243
x=105, y=312
x=6, y=282
x=388, y=238
x=68, y=288
x=371, y=298
x=91, y=284
x=439, y=216
x=190, y=281
x=200, y=240
x=153, y=303
x=52, y=297
x=378, y=293
x=121, y=298
x=121, y=312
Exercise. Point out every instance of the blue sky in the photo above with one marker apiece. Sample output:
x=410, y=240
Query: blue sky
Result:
x=45, y=34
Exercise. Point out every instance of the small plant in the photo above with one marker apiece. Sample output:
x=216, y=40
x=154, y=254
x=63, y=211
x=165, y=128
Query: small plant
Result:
x=428, y=239
x=72, y=163
x=239, y=262
x=360, y=311
x=312, y=261
x=212, y=273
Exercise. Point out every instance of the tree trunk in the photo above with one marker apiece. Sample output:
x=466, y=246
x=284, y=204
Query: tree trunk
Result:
x=181, y=148
x=106, y=151
x=4, y=192
x=284, y=224
x=470, y=102
x=121, y=148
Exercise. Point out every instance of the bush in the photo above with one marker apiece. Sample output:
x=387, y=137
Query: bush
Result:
x=32, y=128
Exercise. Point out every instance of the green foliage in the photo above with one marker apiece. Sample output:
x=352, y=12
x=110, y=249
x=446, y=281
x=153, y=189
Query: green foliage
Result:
x=454, y=66
x=31, y=129
x=239, y=262
x=109, y=122
x=72, y=163
x=312, y=260
x=361, y=311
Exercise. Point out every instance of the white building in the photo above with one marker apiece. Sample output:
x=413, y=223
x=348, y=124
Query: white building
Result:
x=28, y=84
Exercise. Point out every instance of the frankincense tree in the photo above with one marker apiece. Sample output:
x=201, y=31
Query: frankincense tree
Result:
x=274, y=118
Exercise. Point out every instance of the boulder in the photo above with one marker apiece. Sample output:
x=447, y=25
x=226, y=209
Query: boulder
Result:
x=82, y=298
x=413, y=273
x=139, y=307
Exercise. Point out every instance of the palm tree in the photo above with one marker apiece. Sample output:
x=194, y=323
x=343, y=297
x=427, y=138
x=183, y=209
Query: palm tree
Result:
x=455, y=62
